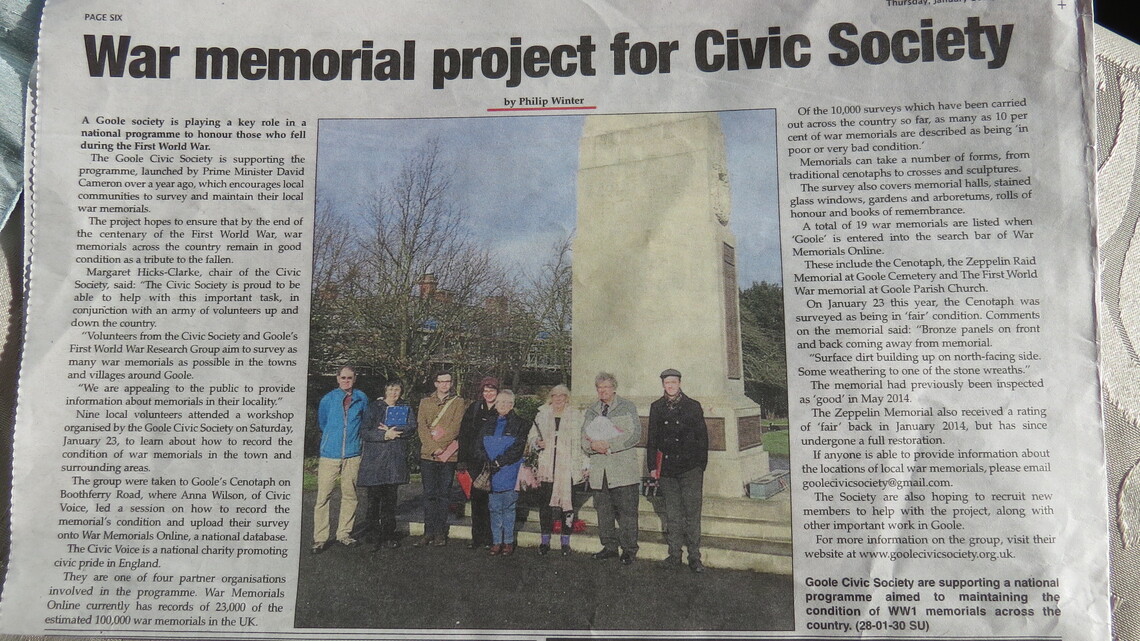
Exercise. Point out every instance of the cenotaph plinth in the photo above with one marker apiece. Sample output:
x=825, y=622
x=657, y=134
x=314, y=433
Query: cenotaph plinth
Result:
x=655, y=278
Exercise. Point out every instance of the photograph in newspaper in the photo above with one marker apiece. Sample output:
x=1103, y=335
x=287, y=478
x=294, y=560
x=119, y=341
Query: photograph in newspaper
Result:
x=449, y=253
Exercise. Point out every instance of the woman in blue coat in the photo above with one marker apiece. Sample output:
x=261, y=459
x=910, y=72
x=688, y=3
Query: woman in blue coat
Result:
x=384, y=432
x=503, y=441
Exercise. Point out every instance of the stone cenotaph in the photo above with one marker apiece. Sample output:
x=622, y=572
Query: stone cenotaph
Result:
x=655, y=279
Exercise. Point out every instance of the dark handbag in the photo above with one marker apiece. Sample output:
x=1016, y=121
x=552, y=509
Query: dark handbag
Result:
x=483, y=481
x=650, y=486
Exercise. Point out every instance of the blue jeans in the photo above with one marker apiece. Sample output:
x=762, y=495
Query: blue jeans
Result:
x=502, y=506
x=437, y=478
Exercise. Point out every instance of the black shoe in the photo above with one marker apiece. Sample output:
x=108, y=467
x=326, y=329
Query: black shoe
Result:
x=392, y=543
x=696, y=566
x=671, y=562
x=543, y=549
x=471, y=545
x=365, y=537
x=319, y=547
x=604, y=554
x=566, y=550
x=627, y=558
x=423, y=541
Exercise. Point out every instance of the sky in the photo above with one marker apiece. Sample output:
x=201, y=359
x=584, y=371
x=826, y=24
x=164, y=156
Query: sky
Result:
x=515, y=178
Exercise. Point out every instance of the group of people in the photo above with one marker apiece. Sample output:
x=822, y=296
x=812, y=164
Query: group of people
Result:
x=570, y=455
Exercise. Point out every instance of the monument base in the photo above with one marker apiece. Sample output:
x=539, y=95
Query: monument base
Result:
x=728, y=475
x=736, y=455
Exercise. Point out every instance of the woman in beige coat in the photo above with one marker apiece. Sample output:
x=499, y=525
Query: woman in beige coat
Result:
x=556, y=436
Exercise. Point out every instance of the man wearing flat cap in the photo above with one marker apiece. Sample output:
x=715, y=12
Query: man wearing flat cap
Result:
x=677, y=453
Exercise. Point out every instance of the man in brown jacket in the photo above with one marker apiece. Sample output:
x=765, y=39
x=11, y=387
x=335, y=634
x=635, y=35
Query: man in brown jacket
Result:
x=438, y=422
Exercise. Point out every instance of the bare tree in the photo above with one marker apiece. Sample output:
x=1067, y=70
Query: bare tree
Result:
x=335, y=270
x=548, y=303
x=412, y=296
x=333, y=246
x=400, y=288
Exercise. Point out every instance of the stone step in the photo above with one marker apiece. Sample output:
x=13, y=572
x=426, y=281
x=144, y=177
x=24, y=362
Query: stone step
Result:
x=738, y=534
x=776, y=508
x=771, y=523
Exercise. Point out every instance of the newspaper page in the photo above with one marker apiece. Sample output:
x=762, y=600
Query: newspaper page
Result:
x=863, y=231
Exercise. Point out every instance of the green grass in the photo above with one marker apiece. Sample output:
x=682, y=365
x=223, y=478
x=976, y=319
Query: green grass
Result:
x=309, y=478
x=776, y=442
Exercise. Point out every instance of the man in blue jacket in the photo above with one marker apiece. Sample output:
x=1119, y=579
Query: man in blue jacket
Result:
x=339, y=416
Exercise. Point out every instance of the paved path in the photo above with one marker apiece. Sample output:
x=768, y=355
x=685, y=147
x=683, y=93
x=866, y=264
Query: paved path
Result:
x=453, y=587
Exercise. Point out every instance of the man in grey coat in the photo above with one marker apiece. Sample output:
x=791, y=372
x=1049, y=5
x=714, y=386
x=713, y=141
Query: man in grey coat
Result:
x=610, y=431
